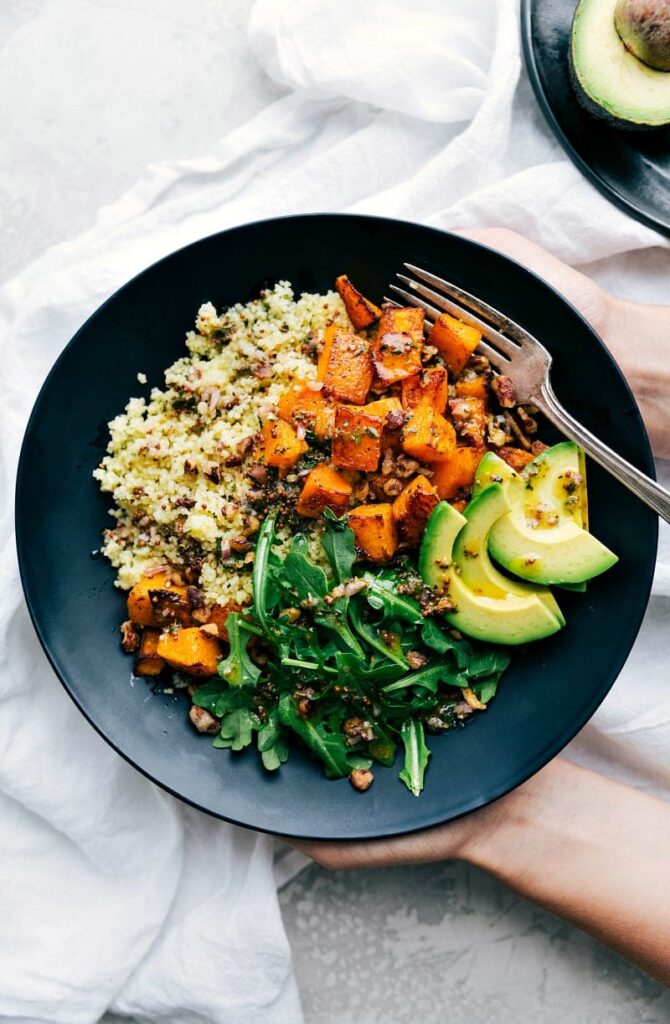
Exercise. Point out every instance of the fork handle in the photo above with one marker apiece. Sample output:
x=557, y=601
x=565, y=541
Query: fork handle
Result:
x=651, y=493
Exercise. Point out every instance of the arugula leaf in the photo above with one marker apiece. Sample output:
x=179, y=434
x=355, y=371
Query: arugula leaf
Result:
x=330, y=747
x=382, y=596
x=486, y=690
x=383, y=747
x=262, y=576
x=238, y=669
x=416, y=755
x=371, y=636
x=304, y=577
x=237, y=728
x=214, y=696
x=428, y=678
x=272, y=745
x=488, y=661
x=339, y=544
x=439, y=641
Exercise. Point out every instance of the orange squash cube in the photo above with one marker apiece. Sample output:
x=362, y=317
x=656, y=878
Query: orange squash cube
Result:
x=190, y=650
x=473, y=387
x=302, y=404
x=324, y=488
x=412, y=508
x=348, y=374
x=431, y=386
x=374, y=531
x=281, y=447
x=140, y=609
x=383, y=407
x=396, y=351
x=454, y=340
x=357, y=439
x=148, y=663
x=360, y=310
x=322, y=363
x=517, y=458
x=427, y=435
x=457, y=471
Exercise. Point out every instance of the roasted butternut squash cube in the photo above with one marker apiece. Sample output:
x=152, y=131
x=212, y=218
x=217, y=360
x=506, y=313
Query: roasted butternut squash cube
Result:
x=396, y=351
x=360, y=310
x=374, y=531
x=454, y=340
x=517, y=458
x=357, y=439
x=427, y=436
x=348, y=374
x=469, y=418
x=281, y=446
x=431, y=386
x=412, y=508
x=141, y=611
x=148, y=662
x=473, y=387
x=309, y=407
x=324, y=488
x=383, y=407
x=456, y=472
x=322, y=363
x=190, y=650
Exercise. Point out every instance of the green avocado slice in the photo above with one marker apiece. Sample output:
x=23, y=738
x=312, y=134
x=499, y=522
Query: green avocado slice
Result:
x=542, y=539
x=494, y=470
x=511, y=619
x=471, y=554
x=609, y=80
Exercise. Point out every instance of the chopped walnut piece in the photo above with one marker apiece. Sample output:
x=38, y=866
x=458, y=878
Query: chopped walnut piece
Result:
x=361, y=779
x=203, y=721
x=416, y=660
x=538, y=446
x=130, y=636
x=504, y=390
x=357, y=730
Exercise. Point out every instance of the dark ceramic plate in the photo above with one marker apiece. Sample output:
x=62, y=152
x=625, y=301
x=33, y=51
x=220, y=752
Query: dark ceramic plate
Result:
x=551, y=689
x=631, y=168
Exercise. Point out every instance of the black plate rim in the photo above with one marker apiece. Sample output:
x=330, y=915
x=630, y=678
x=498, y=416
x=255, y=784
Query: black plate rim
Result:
x=605, y=188
x=496, y=792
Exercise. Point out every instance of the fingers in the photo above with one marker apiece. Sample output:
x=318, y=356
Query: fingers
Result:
x=441, y=843
x=588, y=297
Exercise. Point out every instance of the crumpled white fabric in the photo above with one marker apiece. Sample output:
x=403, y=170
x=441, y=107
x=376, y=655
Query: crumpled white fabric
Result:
x=112, y=894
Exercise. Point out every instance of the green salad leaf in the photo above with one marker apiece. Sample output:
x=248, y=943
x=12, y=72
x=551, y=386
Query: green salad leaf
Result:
x=416, y=755
x=351, y=673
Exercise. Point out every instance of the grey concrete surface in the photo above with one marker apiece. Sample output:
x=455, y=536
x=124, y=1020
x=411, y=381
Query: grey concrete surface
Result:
x=91, y=91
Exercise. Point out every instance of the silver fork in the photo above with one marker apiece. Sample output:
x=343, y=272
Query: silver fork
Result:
x=517, y=354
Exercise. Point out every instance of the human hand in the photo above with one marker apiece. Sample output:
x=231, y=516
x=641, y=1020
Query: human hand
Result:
x=637, y=335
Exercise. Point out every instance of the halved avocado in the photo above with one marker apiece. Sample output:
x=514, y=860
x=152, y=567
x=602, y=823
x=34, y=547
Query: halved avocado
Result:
x=511, y=619
x=609, y=80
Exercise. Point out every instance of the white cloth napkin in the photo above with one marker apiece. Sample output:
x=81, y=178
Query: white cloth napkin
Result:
x=112, y=894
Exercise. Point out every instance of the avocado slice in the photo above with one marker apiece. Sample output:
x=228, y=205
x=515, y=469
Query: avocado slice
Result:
x=542, y=539
x=494, y=470
x=609, y=80
x=511, y=619
x=471, y=555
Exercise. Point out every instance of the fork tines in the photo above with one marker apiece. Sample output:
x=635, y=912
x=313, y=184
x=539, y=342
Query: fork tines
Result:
x=435, y=295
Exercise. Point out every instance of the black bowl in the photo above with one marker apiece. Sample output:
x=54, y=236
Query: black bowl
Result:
x=551, y=688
